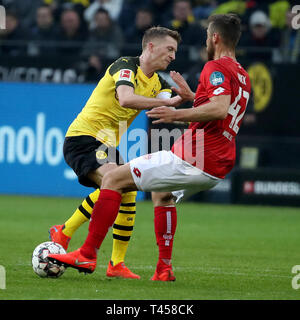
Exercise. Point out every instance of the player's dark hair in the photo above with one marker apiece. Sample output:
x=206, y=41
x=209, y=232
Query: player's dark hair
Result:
x=159, y=32
x=228, y=26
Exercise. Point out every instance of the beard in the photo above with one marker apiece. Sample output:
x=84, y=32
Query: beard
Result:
x=210, y=51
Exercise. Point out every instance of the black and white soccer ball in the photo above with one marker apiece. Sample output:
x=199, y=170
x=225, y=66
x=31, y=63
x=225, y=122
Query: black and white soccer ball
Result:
x=40, y=263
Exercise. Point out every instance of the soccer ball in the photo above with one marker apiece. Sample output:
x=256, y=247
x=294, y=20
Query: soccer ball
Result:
x=40, y=263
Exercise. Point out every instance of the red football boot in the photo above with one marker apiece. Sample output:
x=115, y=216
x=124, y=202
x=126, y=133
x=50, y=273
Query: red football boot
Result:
x=165, y=275
x=56, y=235
x=120, y=271
x=75, y=260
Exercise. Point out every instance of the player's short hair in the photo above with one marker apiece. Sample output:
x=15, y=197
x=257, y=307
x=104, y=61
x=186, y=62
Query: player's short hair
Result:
x=228, y=26
x=159, y=32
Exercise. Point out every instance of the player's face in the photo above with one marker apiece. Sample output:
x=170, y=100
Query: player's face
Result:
x=210, y=47
x=163, y=52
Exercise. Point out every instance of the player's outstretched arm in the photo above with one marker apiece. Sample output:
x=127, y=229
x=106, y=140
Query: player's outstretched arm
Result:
x=183, y=89
x=128, y=99
x=216, y=109
x=163, y=114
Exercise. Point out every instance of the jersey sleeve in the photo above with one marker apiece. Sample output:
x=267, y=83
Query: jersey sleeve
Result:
x=123, y=72
x=165, y=90
x=216, y=79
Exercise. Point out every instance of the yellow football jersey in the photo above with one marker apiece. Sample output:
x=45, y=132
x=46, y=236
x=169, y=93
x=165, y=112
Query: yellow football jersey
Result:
x=103, y=117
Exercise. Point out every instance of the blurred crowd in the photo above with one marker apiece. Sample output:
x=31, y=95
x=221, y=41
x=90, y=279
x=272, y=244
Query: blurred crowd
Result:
x=97, y=29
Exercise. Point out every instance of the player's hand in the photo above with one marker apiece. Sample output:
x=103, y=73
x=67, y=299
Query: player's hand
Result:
x=163, y=114
x=183, y=90
x=175, y=101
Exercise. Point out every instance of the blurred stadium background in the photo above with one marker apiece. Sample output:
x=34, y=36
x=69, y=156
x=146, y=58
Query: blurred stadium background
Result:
x=53, y=52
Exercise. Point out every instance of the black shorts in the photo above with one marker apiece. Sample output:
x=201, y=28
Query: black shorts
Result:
x=85, y=154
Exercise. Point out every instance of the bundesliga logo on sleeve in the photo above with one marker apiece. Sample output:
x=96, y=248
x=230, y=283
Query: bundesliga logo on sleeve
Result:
x=125, y=74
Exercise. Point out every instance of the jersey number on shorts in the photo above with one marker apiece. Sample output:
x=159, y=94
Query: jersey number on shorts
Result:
x=235, y=108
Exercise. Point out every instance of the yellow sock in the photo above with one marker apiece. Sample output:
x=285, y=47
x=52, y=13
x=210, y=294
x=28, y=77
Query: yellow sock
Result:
x=123, y=227
x=82, y=214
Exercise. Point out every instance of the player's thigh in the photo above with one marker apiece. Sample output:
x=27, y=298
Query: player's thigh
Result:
x=162, y=171
x=119, y=179
x=97, y=175
x=90, y=159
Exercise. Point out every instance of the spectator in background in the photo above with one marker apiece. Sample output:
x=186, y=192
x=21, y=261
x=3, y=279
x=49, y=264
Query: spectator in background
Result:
x=44, y=33
x=193, y=74
x=277, y=13
x=25, y=10
x=202, y=9
x=290, y=41
x=71, y=35
x=143, y=20
x=127, y=14
x=262, y=38
x=242, y=8
x=92, y=69
x=113, y=7
x=60, y=5
x=236, y=6
x=106, y=38
x=162, y=11
x=13, y=39
x=184, y=22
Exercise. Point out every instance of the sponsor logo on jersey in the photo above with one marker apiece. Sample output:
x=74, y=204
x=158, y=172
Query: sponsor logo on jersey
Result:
x=218, y=91
x=125, y=74
x=137, y=172
x=242, y=78
x=216, y=78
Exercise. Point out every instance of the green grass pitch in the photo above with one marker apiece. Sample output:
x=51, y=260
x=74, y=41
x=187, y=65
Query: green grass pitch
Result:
x=220, y=252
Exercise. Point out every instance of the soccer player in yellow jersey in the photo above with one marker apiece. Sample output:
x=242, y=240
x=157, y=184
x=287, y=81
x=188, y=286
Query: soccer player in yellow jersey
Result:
x=130, y=84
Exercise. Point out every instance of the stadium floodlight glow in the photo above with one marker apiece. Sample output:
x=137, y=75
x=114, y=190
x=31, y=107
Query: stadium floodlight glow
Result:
x=2, y=18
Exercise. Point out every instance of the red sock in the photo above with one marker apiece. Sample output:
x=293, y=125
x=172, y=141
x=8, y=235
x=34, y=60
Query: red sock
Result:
x=165, y=221
x=104, y=214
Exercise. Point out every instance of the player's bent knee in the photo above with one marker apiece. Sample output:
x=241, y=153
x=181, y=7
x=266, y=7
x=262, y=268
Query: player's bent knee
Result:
x=119, y=179
x=162, y=199
x=110, y=181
